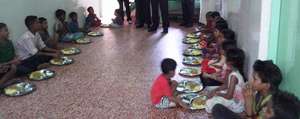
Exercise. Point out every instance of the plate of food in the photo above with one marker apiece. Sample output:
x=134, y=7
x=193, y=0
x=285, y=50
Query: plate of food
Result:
x=70, y=51
x=196, y=46
x=198, y=102
x=83, y=41
x=193, y=35
x=95, y=34
x=61, y=61
x=190, y=60
x=193, y=101
x=189, y=87
x=19, y=89
x=190, y=71
x=43, y=74
x=190, y=40
x=192, y=52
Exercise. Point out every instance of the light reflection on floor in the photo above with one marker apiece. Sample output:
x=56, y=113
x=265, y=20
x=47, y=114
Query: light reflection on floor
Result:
x=111, y=78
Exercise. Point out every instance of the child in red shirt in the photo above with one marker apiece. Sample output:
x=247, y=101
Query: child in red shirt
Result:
x=215, y=73
x=163, y=88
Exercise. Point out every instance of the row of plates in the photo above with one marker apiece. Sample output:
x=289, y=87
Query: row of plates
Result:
x=24, y=88
x=189, y=89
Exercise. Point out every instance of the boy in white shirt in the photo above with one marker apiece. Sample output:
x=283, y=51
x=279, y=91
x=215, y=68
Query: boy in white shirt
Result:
x=30, y=48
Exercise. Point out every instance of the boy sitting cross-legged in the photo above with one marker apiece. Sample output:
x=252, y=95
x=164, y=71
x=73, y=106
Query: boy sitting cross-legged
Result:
x=30, y=48
x=163, y=88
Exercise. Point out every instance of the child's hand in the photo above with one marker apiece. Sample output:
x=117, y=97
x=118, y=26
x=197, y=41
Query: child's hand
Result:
x=248, y=92
x=4, y=68
x=15, y=61
x=211, y=62
x=212, y=94
x=55, y=55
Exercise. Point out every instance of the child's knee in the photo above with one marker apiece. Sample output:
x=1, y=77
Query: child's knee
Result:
x=13, y=69
x=217, y=108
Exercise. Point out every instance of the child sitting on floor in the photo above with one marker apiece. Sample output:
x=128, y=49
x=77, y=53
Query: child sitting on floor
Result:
x=73, y=25
x=49, y=42
x=215, y=74
x=232, y=98
x=163, y=88
x=209, y=20
x=8, y=61
x=61, y=28
x=220, y=34
x=283, y=105
x=118, y=21
x=212, y=53
x=218, y=20
x=30, y=47
x=220, y=37
x=92, y=20
x=257, y=93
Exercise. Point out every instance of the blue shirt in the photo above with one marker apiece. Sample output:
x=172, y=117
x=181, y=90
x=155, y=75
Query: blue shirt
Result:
x=73, y=26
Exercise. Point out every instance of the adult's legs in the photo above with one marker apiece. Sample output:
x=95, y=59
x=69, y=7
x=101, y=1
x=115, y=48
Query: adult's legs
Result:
x=190, y=4
x=146, y=6
x=184, y=12
x=121, y=7
x=155, y=15
x=120, y=4
x=164, y=13
x=128, y=14
x=140, y=19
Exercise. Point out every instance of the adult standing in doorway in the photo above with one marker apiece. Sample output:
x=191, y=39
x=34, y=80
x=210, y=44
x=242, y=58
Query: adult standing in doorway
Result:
x=128, y=14
x=163, y=4
x=143, y=14
x=187, y=12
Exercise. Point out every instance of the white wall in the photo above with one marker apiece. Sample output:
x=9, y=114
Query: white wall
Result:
x=13, y=12
x=244, y=17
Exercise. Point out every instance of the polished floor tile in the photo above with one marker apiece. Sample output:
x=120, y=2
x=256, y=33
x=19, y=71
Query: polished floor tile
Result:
x=110, y=79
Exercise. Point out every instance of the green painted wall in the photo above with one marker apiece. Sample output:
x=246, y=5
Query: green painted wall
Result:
x=288, y=47
x=13, y=12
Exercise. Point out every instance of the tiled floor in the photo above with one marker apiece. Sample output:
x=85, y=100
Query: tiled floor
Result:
x=110, y=79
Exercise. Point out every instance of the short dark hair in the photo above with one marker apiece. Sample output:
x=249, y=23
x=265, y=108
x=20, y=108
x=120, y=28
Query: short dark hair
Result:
x=268, y=73
x=119, y=12
x=208, y=14
x=42, y=19
x=285, y=106
x=29, y=20
x=229, y=44
x=2, y=25
x=168, y=65
x=221, y=26
x=237, y=57
x=228, y=34
x=72, y=14
x=90, y=7
x=215, y=14
x=59, y=13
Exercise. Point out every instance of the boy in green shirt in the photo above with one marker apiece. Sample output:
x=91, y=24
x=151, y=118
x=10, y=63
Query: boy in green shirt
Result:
x=10, y=65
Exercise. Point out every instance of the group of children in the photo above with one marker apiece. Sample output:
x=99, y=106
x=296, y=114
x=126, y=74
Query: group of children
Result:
x=235, y=97
x=36, y=47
